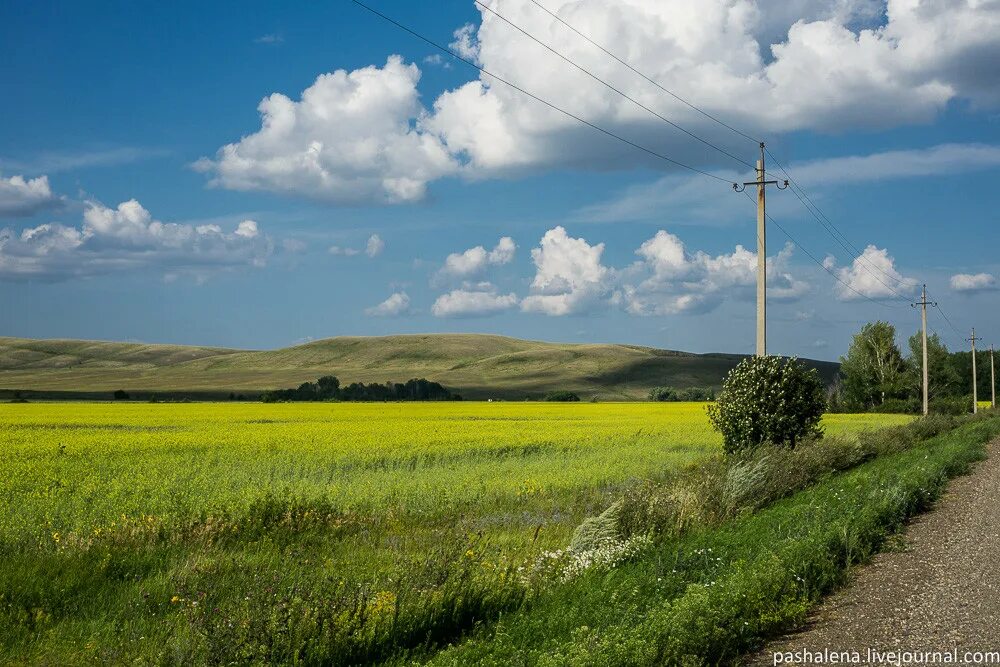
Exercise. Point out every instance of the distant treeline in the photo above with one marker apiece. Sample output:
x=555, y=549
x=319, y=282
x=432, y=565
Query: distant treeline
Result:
x=328, y=389
x=687, y=394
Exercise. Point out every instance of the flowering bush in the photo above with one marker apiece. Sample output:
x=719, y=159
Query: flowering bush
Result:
x=768, y=400
x=567, y=564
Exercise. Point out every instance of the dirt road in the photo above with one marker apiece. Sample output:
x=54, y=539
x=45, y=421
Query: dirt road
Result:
x=940, y=592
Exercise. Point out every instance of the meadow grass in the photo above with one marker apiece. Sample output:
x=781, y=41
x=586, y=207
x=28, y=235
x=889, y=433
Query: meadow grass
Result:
x=276, y=533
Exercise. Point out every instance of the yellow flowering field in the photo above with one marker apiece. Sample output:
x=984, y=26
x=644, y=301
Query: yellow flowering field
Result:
x=181, y=505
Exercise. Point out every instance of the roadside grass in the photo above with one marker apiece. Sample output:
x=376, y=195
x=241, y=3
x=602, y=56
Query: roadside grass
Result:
x=710, y=595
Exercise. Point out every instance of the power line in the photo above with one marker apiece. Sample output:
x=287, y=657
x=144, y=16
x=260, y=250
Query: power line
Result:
x=629, y=142
x=954, y=328
x=537, y=98
x=610, y=86
x=860, y=255
x=821, y=264
x=647, y=78
x=834, y=231
x=797, y=190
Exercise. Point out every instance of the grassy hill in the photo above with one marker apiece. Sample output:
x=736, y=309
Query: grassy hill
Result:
x=475, y=365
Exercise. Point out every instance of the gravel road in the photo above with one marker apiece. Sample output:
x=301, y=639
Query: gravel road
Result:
x=940, y=592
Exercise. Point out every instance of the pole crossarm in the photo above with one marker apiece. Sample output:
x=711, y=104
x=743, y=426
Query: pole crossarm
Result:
x=740, y=188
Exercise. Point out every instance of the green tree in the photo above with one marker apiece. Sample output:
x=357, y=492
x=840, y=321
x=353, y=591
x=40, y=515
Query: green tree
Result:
x=768, y=400
x=942, y=378
x=562, y=396
x=873, y=370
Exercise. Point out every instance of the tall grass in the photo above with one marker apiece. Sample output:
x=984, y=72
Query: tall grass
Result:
x=705, y=595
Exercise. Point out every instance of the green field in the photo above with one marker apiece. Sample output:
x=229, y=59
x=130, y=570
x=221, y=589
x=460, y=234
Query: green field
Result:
x=476, y=366
x=175, y=532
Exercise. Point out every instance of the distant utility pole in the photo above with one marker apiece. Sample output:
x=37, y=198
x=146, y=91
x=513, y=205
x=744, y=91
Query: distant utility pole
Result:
x=761, y=249
x=923, y=322
x=993, y=380
x=975, y=389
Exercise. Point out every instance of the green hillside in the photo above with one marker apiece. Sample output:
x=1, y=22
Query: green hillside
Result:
x=477, y=366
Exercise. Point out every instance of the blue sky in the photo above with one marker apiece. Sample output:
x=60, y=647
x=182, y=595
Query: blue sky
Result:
x=145, y=194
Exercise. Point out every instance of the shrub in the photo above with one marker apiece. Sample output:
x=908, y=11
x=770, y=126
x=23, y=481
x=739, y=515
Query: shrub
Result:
x=952, y=405
x=906, y=406
x=121, y=395
x=688, y=394
x=768, y=400
x=561, y=396
x=663, y=394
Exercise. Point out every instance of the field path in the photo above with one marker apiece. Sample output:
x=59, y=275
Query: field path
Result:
x=940, y=591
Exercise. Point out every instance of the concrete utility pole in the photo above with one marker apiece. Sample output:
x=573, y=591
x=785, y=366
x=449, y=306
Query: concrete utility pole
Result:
x=993, y=381
x=923, y=322
x=761, y=184
x=975, y=388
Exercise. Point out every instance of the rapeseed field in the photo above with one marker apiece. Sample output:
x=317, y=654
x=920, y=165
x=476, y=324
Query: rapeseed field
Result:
x=334, y=532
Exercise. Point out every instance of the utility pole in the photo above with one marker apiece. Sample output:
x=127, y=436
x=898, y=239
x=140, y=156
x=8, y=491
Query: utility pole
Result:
x=975, y=388
x=923, y=322
x=761, y=184
x=993, y=380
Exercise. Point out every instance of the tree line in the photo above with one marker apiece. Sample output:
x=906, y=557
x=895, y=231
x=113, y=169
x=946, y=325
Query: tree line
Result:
x=328, y=388
x=876, y=375
x=687, y=394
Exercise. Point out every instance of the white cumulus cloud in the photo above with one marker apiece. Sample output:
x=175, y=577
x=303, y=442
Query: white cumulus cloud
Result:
x=373, y=248
x=397, y=304
x=873, y=274
x=351, y=137
x=473, y=302
x=474, y=261
x=124, y=238
x=672, y=280
x=569, y=277
x=365, y=136
x=21, y=197
x=975, y=282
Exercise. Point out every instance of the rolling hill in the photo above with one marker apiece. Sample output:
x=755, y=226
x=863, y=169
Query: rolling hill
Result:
x=475, y=365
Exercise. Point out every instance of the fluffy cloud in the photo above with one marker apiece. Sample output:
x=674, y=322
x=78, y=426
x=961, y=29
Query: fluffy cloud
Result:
x=672, y=280
x=125, y=238
x=569, y=277
x=21, y=197
x=364, y=136
x=473, y=302
x=373, y=248
x=351, y=137
x=474, y=261
x=873, y=274
x=718, y=53
x=978, y=282
x=667, y=279
x=465, y=43
x=397, y=304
